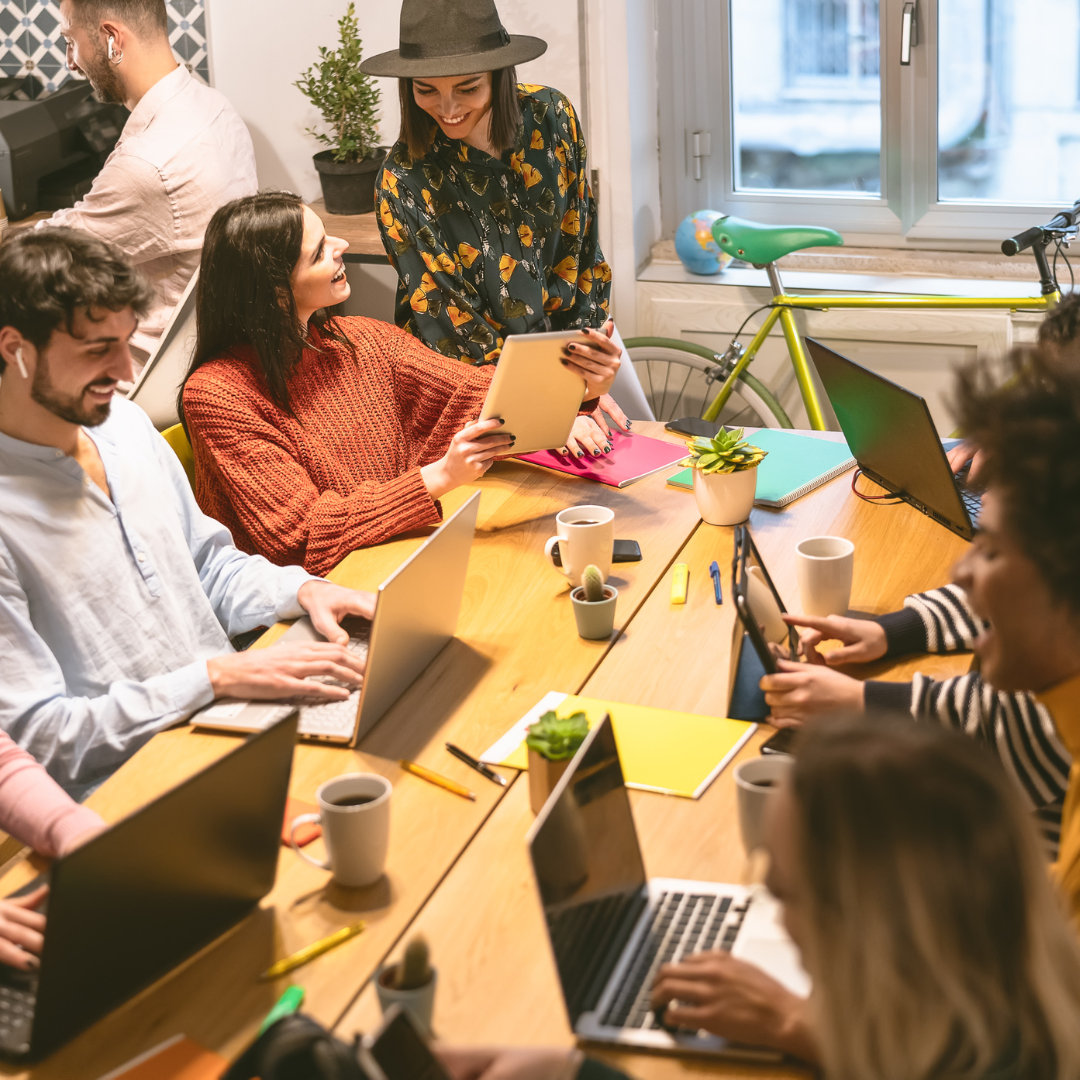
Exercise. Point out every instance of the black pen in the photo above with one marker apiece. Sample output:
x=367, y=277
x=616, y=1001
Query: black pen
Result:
x=479, y=766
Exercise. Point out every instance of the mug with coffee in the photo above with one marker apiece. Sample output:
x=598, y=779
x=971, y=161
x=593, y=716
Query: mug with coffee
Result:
x=755, y=781
x=586, y=535
x=824, y=566
x=354, y=812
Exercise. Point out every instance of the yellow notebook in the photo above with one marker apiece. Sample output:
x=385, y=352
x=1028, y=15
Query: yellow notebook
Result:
x=670, y=752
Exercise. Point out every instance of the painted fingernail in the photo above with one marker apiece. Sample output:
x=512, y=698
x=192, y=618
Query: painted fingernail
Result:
x=628, y=424
x=581, y=453
x=607, y=449
x=564, y=362
x=596, y=453
x=572, y=347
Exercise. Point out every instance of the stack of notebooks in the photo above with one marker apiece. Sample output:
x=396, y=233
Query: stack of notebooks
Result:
x=631, y=458
x=794, y=466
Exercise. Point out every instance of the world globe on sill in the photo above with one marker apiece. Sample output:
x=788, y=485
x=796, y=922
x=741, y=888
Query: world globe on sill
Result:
x=695, y=245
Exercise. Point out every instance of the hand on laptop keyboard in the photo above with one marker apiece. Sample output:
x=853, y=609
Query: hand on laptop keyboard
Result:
x=311, y=671
x=21, y=929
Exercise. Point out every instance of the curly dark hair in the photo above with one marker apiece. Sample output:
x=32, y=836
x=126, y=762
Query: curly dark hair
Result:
x=1061, y=327
x=48, y=276
x=1028, y=427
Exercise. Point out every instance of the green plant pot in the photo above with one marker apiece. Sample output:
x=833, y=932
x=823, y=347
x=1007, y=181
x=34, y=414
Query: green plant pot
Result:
x=595, y=618
x=348, y=186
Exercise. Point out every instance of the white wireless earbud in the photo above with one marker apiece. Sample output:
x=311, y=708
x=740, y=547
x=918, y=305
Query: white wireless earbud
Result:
x=20, y=363
x=112, y=47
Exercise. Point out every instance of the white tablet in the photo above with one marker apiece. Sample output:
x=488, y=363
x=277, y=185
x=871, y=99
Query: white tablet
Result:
x=534, y=392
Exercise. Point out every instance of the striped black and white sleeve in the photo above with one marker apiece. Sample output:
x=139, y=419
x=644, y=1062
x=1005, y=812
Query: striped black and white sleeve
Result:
x=938, y=621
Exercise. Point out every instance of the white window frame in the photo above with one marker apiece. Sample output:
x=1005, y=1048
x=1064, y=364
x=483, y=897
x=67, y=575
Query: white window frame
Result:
x=694, y=71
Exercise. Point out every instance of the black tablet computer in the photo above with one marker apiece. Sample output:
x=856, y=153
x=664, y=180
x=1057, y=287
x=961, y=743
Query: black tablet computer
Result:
x=759, y=605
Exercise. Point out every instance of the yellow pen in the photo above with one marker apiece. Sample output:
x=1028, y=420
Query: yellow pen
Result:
x=680, y=575
x=309, y=952
x=437, y=779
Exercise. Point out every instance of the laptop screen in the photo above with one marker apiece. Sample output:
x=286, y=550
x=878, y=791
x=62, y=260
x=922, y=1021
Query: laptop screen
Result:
x=589, y=870
x=891, y=435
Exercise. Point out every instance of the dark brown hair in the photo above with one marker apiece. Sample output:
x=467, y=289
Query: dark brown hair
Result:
x=1028, y=427
x=417, y=128
x=48, y=276
x=244, y=295
x=143, y=16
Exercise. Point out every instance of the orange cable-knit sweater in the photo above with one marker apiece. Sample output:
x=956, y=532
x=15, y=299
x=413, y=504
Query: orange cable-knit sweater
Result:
x=344, y=470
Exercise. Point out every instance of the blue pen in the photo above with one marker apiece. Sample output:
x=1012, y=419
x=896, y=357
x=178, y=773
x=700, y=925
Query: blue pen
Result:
x=714, y=569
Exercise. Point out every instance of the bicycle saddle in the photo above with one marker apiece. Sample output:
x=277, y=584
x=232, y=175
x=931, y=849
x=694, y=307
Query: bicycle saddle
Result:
x=761, y=244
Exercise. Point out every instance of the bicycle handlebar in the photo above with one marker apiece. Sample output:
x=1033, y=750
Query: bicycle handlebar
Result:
x=1060, y=222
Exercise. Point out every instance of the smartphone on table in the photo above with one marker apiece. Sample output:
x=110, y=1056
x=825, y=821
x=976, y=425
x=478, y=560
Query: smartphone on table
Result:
x=622, y=551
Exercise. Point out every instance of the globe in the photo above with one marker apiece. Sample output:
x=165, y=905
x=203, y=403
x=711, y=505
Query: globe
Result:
x=695, y=246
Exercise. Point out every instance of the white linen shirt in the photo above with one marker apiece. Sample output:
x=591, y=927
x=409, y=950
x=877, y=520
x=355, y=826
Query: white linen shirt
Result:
x=110, y=608
x=184, y=152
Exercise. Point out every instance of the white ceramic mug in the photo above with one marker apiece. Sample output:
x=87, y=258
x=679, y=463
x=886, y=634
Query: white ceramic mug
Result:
x=755, y=782
x=586, y=536
x=354, y=812
x=823, y=566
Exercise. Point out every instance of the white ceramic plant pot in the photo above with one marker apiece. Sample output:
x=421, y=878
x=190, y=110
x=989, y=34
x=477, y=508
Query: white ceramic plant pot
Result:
x=725, y=498
x=419, y=1001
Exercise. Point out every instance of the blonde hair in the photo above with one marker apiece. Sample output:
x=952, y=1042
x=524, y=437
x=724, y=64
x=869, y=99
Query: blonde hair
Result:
x=936, y=944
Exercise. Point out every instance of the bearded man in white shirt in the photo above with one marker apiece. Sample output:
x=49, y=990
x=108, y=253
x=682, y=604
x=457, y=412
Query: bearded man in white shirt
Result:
x=183, y=153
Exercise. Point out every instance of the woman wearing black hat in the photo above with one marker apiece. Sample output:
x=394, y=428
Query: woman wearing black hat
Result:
x=484, y=203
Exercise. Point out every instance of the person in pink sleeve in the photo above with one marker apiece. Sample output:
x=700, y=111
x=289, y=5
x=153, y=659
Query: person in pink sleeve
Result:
x=35, y=810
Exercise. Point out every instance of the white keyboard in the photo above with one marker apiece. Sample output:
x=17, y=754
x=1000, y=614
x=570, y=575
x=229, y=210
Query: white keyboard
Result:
x=335, y=718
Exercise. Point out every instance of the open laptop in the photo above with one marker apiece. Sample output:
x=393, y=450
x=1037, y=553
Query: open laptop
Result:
x=416, y=614
x=894, y=441
x=611, y=928
x=143, y=896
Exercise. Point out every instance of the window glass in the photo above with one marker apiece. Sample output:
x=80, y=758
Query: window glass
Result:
x=806, y=96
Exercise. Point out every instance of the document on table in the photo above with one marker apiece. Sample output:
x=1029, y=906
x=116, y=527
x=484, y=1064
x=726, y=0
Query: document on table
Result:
x=661, y=750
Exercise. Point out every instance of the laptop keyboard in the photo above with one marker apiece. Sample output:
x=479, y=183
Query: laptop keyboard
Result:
x=16, y=1012
x=972, y=501
x=336, y=718
x=680, y=924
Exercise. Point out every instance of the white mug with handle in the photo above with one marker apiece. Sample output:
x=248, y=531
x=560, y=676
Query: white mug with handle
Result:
x=354, y=812
x=586, y=536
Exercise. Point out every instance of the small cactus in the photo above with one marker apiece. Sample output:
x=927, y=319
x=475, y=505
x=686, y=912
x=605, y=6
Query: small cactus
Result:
x=413, y=971
x=592, y=583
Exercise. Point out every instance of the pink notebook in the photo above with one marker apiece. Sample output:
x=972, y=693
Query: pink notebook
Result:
x=631, y=458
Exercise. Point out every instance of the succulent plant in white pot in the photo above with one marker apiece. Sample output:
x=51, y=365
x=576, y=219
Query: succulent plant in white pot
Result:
x=725, y=476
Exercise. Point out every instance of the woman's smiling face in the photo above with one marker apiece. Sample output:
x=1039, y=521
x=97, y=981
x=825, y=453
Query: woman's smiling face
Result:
x=459, y=104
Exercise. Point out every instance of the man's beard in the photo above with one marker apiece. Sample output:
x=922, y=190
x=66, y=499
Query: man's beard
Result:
x=103, y=78
x=67, y=408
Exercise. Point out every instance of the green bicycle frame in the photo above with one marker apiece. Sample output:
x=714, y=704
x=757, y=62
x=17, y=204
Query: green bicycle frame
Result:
x=784, y=306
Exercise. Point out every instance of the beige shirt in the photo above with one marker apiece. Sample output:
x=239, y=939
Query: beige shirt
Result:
x=183, y=153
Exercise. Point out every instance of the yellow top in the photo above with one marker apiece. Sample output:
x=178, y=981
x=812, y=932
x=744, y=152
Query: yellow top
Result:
x=1063, y=703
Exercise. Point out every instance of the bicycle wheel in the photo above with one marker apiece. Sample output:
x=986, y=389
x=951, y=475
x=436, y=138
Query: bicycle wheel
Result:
x=679, y=378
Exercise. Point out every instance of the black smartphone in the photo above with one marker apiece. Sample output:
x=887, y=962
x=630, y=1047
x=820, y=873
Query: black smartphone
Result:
x=780, y=742
x=400, y=1050
x=622, y=551
x=693, y=426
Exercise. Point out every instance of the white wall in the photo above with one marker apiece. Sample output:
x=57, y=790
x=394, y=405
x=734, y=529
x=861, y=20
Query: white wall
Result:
x=257, y=52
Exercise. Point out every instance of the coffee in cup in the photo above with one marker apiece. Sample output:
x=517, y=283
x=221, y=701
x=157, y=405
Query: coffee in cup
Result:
x=585, y=536
x=755, y=782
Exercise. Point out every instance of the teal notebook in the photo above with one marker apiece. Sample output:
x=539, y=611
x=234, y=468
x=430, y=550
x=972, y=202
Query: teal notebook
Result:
x=795, y=465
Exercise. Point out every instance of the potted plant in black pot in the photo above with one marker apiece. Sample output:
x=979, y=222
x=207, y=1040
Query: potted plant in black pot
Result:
x=348, y=101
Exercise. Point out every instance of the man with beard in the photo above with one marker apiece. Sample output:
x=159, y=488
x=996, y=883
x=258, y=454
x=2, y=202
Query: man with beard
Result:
x=117, y=595
x=184, y=150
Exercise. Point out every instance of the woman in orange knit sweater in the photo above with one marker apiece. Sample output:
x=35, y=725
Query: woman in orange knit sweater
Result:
x=314, y=435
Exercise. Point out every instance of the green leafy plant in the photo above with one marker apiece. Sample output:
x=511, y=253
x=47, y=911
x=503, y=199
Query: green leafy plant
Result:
x=725, y=452
x=346, y=98
x=592, y=583
x=414, y=969
x=557, y=738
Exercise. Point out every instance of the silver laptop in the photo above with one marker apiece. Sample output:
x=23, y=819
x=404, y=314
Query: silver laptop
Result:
x=416, y=614
x=894, y=441
x=611, y=928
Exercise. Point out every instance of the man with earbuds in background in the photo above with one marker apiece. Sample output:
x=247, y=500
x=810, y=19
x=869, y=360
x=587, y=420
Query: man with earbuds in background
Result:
x=184, y=150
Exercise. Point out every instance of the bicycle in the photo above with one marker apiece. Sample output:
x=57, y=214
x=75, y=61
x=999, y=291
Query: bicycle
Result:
x=676, y=375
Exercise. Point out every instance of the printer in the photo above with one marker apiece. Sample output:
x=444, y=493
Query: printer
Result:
x=52, y=148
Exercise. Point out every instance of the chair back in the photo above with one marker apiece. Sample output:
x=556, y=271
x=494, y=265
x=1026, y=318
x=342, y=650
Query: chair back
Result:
x=177, y=438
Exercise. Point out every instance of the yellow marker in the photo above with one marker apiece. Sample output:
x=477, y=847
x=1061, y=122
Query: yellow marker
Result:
x=679, y=577
x=437, y=779
x=309, y=952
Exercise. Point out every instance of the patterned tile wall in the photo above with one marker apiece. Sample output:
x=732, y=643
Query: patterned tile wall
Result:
x=31, y=52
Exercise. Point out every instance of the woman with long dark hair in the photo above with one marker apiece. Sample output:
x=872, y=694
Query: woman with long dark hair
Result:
x=484, y=202
x=315, y=434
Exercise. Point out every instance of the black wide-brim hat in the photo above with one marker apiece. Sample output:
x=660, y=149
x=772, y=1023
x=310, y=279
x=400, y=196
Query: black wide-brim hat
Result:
x=452, y=37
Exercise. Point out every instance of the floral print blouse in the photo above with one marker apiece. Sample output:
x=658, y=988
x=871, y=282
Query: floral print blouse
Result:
x=486, y=246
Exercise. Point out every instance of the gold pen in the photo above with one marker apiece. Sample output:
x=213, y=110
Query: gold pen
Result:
x=309, y=952
x=437, y=779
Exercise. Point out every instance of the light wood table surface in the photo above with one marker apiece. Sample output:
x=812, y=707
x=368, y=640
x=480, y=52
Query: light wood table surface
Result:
x=497, y=981
x=361, y=230
x=516, y=640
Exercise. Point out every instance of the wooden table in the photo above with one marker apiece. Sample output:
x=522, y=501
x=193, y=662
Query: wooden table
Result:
x=361, y=230
x=458, y=869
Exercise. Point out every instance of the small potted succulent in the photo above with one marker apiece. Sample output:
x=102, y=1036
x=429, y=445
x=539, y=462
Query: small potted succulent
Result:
x=409, y=983
x=552, y=741
x=725, y=476
x=594, y=605
x=348, y=101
